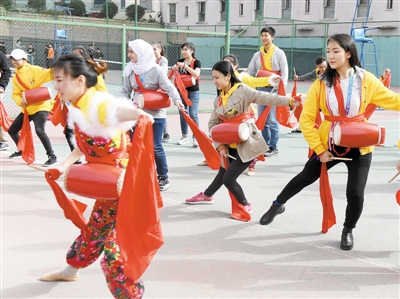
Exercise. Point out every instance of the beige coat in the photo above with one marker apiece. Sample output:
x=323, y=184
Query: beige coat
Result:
x=239, y=103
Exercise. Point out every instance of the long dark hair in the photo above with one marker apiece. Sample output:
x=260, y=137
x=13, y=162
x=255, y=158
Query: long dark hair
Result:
x=75, y=65
x=346, y=42
x=162, y=52
x=190, y=46
x=225, y=68
x=232, y=58
x=99, y=66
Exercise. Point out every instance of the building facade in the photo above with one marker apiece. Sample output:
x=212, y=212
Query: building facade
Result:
x=243, y=12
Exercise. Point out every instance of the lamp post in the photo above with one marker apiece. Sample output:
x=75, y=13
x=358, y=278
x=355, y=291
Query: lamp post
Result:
x=136, y=19
x=107, y=11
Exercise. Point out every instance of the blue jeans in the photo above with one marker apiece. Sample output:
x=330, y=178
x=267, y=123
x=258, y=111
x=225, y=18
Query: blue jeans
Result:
x=194, y=96
x=271, y=126
x=159, y=154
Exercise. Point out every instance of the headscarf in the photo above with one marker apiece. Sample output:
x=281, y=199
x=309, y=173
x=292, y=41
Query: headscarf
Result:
x=145, y=58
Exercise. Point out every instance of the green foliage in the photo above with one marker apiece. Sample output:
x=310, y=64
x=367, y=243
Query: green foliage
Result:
x=130, y=12
x=78, y=6
x=112, y=9
x=7, y=4
x=37, y=5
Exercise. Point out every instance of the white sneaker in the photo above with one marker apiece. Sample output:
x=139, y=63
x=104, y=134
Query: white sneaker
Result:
x=183, y=140
x=195, y=143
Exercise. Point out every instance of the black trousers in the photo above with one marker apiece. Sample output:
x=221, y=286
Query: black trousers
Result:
x=39, y=119
x=358, y=170
x=69, y=135
x=228, y=178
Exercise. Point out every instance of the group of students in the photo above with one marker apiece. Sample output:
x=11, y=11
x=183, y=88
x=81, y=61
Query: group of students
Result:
x=339, y=93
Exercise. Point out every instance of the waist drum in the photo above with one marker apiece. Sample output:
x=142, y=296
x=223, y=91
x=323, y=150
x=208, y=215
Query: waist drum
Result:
x=93, y=180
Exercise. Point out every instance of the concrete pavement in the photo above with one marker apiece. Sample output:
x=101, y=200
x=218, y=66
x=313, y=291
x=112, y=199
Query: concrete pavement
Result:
x=206, y=254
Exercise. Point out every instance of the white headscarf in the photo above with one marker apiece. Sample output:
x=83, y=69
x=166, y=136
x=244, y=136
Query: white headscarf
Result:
x=145, y=58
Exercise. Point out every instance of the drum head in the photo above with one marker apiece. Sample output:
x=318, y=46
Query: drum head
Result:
x=244, y=131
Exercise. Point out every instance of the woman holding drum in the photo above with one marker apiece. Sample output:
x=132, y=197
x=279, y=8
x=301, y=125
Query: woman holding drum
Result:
x=342, y=94
x=144, y=77
x=100, y=121
x=189, y=69
x=230, y=114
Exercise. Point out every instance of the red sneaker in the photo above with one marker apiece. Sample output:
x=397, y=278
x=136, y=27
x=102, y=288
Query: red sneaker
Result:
x=200, y=199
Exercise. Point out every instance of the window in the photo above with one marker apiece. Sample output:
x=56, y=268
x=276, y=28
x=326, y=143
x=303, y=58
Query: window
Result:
x=202, y=12
x=259, y=7
x=98, y=3
x=172, y=13
x=389, y=4
x=240, y=9
x=123, y=4
x=307, y=8
x=286, y=9
x=186, y=11
x=146, y=4
x=329, y=9
x=363, y=7
x=223, y=11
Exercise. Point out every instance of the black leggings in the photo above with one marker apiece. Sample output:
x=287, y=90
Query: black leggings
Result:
x=39, y=119
x=70, y=136
x=228, y=178
x=358, y=170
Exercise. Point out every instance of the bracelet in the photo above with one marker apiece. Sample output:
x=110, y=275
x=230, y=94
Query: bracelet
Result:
x=321, y=154
x=220, y=147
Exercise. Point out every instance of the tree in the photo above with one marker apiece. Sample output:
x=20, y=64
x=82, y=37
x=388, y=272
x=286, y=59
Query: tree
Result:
x=37, y=5
x=130, y=12
x=78, y=6
x=112, y=9
x=7, y=4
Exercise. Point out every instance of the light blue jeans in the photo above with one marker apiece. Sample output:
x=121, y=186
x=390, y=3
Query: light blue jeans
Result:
x=271, y=126
x=194, y=96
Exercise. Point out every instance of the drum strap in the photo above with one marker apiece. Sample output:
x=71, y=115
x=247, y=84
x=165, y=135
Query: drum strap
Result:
x=21, y=83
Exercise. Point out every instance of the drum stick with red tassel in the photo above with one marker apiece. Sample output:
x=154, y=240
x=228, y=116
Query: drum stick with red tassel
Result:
x=395, y=176
x=341, y=159
x=232, y=157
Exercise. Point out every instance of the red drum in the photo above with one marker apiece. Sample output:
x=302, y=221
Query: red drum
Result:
x=228, y=133
x=266, y=73
x=188, y=80
x=153, y=100
x=355, y=134
x=36, y=95
x=92, y=180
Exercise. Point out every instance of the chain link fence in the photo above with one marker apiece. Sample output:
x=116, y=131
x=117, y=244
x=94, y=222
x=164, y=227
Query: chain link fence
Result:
x=301, y=41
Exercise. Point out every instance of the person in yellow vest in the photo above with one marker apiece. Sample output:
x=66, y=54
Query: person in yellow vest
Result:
x=273, y=59
x=343, y=94
x=30, y=76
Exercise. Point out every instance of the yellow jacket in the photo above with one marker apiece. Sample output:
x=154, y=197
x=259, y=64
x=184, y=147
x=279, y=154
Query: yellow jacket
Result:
x=32, y=76
x=253, y=82
x=372, y=91
x=101, y=85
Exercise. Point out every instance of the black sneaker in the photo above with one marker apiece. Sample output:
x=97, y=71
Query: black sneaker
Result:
x=3, y=146
x=17, y=154
x=297, y=130
x=166, y=138
x=51, y=161
x=271, y=152
x=163, y=183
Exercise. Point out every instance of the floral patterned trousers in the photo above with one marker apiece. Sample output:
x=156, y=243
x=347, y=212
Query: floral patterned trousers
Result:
x=99, y=236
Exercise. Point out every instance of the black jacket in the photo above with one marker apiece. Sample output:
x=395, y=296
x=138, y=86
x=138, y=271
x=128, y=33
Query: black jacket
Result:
x=5, y=71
